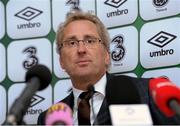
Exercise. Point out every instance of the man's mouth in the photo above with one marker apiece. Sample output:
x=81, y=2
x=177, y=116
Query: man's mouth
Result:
x=83, y=62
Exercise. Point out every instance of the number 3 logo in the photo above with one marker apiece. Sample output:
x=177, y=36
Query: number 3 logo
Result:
x=31, y=60
x=118, y=51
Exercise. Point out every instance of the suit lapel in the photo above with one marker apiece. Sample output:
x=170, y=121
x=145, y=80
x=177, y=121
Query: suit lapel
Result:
x=69, y=100
x=103, y=116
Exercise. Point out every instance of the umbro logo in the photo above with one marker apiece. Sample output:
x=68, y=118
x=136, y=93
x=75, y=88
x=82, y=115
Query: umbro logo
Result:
x=115, y=3
x=35, y=100
x=28, y=13
x=161, y=39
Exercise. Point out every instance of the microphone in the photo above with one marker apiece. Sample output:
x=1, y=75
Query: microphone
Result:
x=59, y=114
x=166, y=96
x=37, y=78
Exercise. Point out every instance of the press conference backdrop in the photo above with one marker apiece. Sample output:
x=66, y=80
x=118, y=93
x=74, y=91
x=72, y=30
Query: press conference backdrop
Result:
x=145, y=42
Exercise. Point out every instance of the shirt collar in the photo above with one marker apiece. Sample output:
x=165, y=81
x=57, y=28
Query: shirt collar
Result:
x=99, y=87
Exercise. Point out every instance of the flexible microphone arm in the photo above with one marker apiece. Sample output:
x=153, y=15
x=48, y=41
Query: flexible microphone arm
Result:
x=37, y=78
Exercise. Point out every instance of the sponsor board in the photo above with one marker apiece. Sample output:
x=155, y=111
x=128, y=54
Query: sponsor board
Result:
x=2, y=22
x=66, y=6
x=159, y=43
x=117, y=12
x=27, y=19
x=123, y=56
x=155, y=9
x=26, y=53
x=2, y=62
x=3, y=105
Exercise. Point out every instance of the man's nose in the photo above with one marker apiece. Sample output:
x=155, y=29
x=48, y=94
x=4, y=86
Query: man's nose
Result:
x=81, y=47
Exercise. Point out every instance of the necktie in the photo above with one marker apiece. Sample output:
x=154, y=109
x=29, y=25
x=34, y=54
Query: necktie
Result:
x=84, y=108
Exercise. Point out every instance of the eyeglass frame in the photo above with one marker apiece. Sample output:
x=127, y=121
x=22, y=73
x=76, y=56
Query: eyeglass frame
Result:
x=66, y=43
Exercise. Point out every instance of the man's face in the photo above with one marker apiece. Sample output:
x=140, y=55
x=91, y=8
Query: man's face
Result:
x=83, y=59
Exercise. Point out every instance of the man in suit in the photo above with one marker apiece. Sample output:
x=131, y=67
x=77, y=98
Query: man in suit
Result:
x=83, y=45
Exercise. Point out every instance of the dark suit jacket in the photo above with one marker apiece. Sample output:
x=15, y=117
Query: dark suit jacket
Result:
x=141, y=84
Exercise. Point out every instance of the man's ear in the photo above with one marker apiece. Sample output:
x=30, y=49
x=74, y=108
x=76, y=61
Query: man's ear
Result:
x=107, y=58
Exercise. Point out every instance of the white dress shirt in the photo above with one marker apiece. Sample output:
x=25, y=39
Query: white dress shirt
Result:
x=97, y=100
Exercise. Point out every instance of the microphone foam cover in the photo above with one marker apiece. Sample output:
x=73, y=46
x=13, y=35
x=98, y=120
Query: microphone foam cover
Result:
x=59, y=113
x=42, y=73
x=162, y=91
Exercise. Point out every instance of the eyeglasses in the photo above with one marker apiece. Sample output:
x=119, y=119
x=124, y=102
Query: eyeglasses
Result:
x=89, y=42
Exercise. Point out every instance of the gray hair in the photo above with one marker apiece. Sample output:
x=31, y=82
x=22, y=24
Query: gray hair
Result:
x=79, y=15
